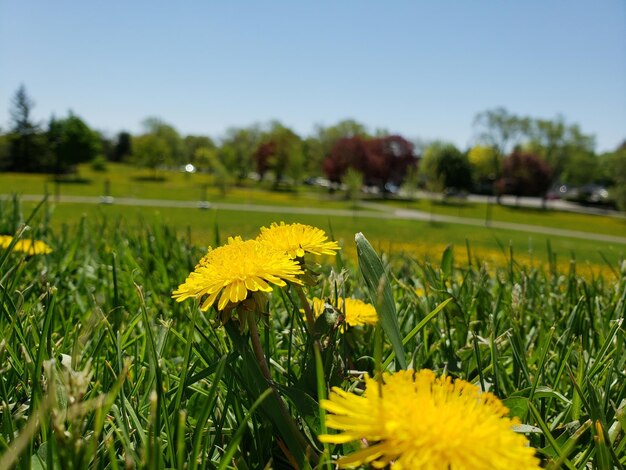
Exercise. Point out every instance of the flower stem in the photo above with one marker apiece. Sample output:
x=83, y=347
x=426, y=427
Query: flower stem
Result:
x=310, y=318
x=263, y=364
x=258, y=349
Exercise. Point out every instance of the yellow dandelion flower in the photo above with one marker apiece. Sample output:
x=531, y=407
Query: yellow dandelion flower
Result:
x=416, y=420
x=30, y=247
x=297, y=239
x=233, y=270
x=356, y=311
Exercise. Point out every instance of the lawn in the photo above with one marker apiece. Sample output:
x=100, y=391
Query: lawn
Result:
x=414, y=238
x=102, y=368
x=129, y=181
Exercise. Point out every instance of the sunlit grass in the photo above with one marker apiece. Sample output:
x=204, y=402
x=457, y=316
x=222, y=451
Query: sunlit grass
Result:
x=139, y=380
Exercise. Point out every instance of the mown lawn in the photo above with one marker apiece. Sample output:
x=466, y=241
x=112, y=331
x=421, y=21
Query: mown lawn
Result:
x=415, y=238
x=128, y=181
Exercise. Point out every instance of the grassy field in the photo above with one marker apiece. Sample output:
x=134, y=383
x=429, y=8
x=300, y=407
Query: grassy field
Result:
x=413, y=238
x=101, y=368
x=546, y=218
x=128, y=181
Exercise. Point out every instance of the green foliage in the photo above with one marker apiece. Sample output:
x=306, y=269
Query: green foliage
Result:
x=617, y=168
x=353, y=180
x=236, y=151
x=169, y=138
x=72, y=142
x=193, y=143
x=27, y=144
x=118, y=374
x=485, y=162
x=123, y=147
x=151, y=151
x=445, y=166
x=99, y=164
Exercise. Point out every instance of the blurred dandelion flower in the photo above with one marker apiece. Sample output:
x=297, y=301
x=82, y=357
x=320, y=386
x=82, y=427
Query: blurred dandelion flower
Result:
x=297, y=239
x=356, y=311
x=233, y=270
x=30, y=247
x=416, y=420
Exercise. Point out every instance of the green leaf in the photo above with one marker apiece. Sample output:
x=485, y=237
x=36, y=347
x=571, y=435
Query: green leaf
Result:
x=380, y=293
x=518, y=406
x=447, y=260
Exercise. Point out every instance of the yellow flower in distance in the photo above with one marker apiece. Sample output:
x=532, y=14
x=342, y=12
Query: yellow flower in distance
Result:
x=232, y=270
x=416, y=420
x=30, y=247
x=297, y=239
x=356, y=311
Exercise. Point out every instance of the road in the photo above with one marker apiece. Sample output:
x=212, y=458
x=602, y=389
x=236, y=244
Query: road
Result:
x=366, y=210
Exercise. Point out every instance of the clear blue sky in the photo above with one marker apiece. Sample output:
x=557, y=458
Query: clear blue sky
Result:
x=423, y=69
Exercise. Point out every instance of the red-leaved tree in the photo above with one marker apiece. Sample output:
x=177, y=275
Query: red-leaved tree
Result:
x=524, y=174
x=381, y=160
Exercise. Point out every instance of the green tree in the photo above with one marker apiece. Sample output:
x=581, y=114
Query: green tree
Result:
x=123, y=147
x=616, y=163
x=5, y=151
x=207, y=158
x=236, y=150
x=72, y=142
x=151, y=151
x=27, y=143
x=167, y=134
x=581, y=168
x=485, y=163
x=500, y=129
x=281, y=152
x=445, y=166
x=353, y=179
x=191, y=145
x=562, y=145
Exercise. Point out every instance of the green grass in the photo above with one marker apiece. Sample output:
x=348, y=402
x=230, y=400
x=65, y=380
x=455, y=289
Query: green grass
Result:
x=546, y=218
x=168, y=387
x=411, y=237
x=129, y=181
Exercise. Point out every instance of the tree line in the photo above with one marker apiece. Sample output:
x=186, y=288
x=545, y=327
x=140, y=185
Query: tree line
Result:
x=513, y=154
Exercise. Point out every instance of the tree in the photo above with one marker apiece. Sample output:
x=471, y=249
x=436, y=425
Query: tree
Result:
x=27, y=146
x=391, y=156
x=317, y=148
x=281, y=152
x=524, y=174
x=151, y=151
x=500, y=129
x=207, y=158
x=236, y=150
x=445, y=166
x=558, y=142
x=381, y=161
x=485, y=163
x=616, y=164
x=71, y=142
x=169, y=136
x=353, y=179
x=192, y=143
x=348, y=152
x=123, y=147
x=5, y=152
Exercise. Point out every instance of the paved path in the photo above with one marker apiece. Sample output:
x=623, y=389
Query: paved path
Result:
x=366, y=210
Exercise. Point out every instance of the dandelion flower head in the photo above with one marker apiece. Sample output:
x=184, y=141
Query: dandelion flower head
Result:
x=416, y=420
x=356, y=311
x=298, y=239
x=30, y=247
x=228, y=273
